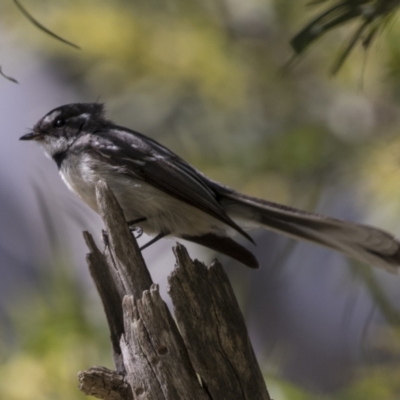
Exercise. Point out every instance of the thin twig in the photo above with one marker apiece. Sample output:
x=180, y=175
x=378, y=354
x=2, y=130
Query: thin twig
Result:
x=43, y=28
x=7, y=77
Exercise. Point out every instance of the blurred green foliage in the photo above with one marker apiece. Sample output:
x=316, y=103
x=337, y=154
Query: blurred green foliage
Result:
x=381, y=380
x=371, y=18
x=54, y=336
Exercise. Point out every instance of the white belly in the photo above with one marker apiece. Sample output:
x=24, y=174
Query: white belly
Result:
x=138, y=199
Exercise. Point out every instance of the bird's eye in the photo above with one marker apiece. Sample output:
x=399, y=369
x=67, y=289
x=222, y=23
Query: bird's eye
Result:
x=59, y=122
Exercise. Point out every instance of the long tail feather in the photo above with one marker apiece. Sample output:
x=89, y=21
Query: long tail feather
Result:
x=361, y=242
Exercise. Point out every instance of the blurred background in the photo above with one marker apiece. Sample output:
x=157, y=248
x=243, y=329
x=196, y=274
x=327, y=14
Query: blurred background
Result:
x=206, y=78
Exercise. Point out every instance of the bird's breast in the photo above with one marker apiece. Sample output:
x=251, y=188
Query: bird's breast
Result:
x=80, y=178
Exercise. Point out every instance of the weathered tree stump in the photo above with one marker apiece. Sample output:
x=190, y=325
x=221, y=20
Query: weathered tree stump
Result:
x=205, y=353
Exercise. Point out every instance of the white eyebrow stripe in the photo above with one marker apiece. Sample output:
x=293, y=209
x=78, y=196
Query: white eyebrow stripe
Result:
x=52, y=116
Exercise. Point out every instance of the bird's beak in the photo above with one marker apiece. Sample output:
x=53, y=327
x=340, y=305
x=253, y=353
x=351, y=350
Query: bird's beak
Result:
x=32, y=136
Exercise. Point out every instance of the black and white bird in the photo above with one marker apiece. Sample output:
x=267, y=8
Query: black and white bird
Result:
x=165, y=196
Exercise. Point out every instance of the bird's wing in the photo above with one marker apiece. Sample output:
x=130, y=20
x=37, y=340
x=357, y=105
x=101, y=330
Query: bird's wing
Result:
x=153, y=163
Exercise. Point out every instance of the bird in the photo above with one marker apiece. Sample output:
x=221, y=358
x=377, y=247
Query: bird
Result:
x=163, y=195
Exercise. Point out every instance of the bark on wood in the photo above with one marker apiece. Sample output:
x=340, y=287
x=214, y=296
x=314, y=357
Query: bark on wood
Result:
x=209, y=318
x=110, y=290
x=103, y=383
x=206, y=354
x=151, y=336
x=122, y=246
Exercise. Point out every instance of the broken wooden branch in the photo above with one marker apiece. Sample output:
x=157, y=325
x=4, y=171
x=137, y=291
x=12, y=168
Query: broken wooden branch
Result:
x=204, y=354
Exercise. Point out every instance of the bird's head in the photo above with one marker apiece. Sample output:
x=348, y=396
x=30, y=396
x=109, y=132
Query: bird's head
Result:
x=59, y=128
